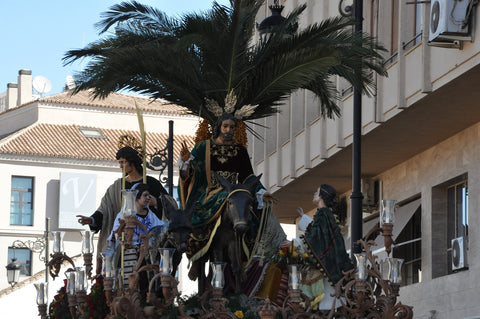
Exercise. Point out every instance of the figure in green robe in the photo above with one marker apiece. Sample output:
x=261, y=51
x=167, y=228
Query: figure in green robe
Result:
x=198, y=185
x=323, y=242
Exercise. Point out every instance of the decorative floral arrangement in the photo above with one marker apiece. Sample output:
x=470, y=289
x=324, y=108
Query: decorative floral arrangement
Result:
x=59, y=307
x=288, y=256
x=96, y=301
x=243, y=307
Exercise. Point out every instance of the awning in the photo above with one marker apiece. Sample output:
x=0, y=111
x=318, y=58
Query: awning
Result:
x=402, y=215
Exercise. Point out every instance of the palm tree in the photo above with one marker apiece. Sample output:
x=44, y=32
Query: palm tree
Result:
x=209, y=56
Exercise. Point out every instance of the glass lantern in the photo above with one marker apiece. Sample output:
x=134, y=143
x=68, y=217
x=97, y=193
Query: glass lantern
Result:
x=58, y=241
x=218, y=277
x=42, y=293
x=70, y=282
x=129, y=196
x=362, y=261
x=87, y=241
x=294, y=276
x=13, y=272
x=384, y=269
x=80, y=280
x=166, y=260
x=107, y=266
x=395, y=267
x=387, y=211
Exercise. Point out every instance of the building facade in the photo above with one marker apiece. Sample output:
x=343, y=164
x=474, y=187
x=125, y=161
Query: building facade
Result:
x=420, y=146
x=57, y=158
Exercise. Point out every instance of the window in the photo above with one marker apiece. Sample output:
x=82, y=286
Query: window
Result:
x=24, y=259
x=414, y=34
x=21, y=201
x=410, y=248
x=457, y=214
x=449, y=221
x=92, y=133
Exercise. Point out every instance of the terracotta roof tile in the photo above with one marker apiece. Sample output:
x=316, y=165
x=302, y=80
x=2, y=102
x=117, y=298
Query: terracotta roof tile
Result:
x=113, y=101
x=67, y=141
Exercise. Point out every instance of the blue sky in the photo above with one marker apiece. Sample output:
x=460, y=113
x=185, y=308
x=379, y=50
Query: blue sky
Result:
x=36, y=34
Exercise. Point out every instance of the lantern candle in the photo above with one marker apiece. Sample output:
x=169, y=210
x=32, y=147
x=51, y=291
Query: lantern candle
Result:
x=166, y=264
x=387, y=211
x=87, y=241
x=218, y=278
x=42, y=298
x=395, y=275
x=361, y=273
x=129, y=197
x=385, y=269
x=106, y=265
x=70, y=282
x=80, y=280
x=58, y=241
x=294, y=277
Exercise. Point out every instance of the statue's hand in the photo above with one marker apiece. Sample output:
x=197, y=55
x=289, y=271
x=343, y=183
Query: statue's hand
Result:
x=184, y=151
x=300, y=211
x=84, y=220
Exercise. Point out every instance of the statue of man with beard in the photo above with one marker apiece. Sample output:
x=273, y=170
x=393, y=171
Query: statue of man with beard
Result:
x=198, y=184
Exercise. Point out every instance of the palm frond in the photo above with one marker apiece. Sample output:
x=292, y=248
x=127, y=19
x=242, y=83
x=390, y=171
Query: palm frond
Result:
x=207, y=55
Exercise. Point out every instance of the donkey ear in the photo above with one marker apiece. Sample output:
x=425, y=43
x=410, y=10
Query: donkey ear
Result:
x=226, y=184
x=168, y=205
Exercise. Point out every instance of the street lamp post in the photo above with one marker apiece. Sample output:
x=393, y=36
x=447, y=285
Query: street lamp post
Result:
x=356, y=197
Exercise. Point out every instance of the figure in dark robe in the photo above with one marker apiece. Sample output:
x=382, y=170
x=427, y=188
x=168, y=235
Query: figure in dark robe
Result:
x=198, y=183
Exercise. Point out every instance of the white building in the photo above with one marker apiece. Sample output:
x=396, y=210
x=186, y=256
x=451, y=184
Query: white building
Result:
x=43, y=140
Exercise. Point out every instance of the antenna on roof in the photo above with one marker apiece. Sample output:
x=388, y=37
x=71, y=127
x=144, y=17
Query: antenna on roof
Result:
x=70, y=82
x=41, y=84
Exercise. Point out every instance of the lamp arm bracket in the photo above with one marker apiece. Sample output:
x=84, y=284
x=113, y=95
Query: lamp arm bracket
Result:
x=36, y=246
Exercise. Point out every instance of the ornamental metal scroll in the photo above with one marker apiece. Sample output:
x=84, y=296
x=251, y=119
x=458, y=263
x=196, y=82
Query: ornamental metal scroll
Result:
x=344, y=9
x=36, y=246
x=158, y=161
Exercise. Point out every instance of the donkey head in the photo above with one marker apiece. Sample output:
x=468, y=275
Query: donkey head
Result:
x=239, y=202
x=180, y=226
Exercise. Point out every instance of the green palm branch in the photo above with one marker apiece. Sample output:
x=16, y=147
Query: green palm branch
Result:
x=207, y=55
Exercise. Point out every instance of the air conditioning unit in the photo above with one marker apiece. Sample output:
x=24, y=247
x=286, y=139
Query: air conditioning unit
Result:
x=449, y=21
x=459, y=254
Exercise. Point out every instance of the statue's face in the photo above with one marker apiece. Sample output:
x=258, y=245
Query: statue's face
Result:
x=124, y=163
x=227, y=129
